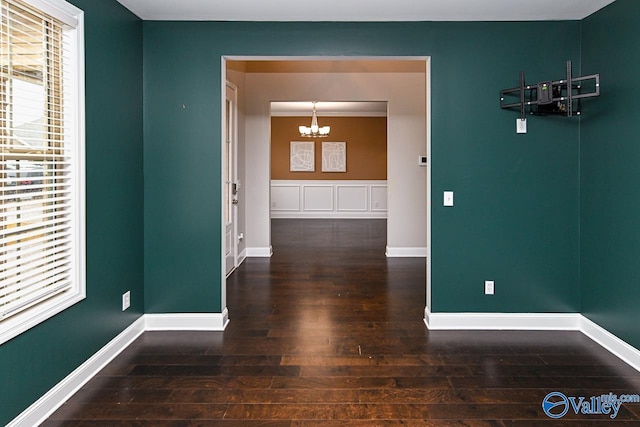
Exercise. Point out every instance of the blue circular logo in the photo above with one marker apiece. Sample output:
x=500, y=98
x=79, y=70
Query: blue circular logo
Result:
x=555, y=405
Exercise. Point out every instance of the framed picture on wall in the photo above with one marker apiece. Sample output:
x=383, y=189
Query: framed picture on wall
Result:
x=334, y=157
x=302, y=156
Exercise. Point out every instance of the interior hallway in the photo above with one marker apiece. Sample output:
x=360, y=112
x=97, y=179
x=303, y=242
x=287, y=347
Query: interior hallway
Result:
x=329, y=332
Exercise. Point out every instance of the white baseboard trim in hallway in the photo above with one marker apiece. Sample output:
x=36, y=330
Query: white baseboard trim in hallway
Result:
x=241, y=257
x=259, y=252
x=535, y=322
x=416, y=252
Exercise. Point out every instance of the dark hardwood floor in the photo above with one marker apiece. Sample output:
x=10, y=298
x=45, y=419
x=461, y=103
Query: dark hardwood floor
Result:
x=329, y=332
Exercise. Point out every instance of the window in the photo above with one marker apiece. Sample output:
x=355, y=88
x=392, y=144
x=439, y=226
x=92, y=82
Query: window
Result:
x=41, y=162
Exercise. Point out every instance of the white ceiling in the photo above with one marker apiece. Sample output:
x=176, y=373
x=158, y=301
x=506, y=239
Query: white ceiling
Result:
x=364, y=10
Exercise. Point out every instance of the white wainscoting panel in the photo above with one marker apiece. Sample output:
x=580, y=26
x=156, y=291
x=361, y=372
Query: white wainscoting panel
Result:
x=318, y=197
x=378, y=198
x=285, y=198
x=352, y=198
x=328, y=199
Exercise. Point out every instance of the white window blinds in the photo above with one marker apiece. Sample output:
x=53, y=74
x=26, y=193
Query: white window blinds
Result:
x=39, y=163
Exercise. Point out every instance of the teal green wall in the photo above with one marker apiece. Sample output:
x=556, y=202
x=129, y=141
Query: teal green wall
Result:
x=182, y=174
x=517, y=196
x=515, y=219
x=35, y=361
x=610, y=172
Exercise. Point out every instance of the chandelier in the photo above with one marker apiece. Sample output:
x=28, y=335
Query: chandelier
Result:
x=314, y=131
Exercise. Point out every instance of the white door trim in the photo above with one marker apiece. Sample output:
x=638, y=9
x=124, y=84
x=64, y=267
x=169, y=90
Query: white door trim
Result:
x=231, y=94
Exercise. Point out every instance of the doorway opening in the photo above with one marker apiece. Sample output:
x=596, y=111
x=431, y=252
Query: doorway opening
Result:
x=401, y=82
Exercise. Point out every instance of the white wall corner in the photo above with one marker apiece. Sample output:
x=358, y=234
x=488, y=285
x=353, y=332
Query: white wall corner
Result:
x=187, y=321
x=615, y=345
x=417, y=252
x=259, y=252
x=40, y=410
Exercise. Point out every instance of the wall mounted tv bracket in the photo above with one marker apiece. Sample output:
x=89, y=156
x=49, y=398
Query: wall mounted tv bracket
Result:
x=561, y=97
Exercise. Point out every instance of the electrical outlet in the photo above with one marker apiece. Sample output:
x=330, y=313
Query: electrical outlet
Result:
x=489, y=287
x=126, y=300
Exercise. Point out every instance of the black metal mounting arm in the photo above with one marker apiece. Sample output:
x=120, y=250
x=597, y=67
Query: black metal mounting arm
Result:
x=558, y=97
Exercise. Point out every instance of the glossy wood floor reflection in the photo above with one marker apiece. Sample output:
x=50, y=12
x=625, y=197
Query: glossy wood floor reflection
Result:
x=329, y=332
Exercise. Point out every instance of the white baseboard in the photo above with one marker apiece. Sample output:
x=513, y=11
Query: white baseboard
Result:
x=503, y=321
x=259, y=252
x=416, y=252
x=535, y=321
x=61, y=392
x=187, y=321
x=615, y=345
x=242, y=256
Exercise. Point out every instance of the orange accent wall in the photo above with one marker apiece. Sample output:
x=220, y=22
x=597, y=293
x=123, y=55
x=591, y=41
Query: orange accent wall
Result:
x=366, y=139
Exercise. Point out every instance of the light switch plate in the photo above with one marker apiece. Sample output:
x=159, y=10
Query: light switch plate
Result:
x=521, y=125
x=489, y=287
x=448, y=198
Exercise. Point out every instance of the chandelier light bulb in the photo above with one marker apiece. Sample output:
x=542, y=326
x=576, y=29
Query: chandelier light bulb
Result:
x=314, y=131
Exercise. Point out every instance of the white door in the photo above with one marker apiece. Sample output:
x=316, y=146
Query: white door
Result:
x=230, y=180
